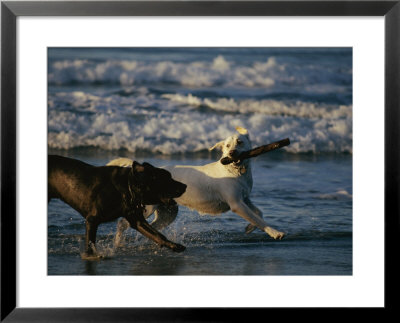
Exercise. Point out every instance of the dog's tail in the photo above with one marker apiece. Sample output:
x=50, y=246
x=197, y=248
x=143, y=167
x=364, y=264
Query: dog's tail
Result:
x=122, y=162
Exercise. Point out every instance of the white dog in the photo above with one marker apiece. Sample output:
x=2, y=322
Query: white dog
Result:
x=211, y=189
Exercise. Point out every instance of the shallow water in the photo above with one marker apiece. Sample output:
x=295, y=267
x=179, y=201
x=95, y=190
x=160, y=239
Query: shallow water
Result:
x=308, y=197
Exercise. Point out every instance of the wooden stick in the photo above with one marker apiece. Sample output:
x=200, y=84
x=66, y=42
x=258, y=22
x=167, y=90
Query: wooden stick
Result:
x=256, y=151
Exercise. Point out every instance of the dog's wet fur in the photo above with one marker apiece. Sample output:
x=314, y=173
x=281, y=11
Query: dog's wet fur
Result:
x=103, y=194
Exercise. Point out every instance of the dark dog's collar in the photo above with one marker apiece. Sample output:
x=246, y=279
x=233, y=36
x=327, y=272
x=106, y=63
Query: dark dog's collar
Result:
x=135, y=199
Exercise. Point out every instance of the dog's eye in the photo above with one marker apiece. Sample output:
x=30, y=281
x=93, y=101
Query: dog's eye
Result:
x=228, y=145
x=239, y=142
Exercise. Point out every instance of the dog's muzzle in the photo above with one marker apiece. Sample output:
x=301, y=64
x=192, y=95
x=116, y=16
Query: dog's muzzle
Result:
x=181, y=189
x=233, y=154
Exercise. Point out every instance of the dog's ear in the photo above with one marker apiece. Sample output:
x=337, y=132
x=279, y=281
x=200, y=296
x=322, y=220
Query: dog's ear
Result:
x=217, y=145
x=147, y=165
x=137, y=168
x=241, y=130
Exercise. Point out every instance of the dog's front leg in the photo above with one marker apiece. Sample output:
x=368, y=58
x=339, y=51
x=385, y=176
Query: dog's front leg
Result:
x=123, y=224
x=139, y=223
x=240, y=208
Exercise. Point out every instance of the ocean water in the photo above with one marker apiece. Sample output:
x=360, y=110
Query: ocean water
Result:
x=168, y=106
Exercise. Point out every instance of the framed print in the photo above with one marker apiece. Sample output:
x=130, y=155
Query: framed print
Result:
x=160, y=92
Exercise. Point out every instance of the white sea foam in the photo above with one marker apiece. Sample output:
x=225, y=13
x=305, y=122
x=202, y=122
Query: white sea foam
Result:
x=270, y=107
x=339, y=195
x=173, y=123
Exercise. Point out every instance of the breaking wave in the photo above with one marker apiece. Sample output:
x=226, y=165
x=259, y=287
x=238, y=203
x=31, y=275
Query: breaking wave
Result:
x=187, y=104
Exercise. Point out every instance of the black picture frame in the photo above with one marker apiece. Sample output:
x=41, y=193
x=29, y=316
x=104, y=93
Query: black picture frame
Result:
x=10, y=10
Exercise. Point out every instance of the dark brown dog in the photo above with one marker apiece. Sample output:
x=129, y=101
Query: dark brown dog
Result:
x=103, y=194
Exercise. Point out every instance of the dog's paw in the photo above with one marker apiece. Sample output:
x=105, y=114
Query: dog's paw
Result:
x=90, y=256
x=277, y=235
x=250, y=228
x=178, y=247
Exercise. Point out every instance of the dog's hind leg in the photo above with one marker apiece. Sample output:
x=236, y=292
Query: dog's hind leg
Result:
x=250, y=228
x=122, y=225
x=90, y=241
x=241, y=208
x=165, y=214
x=139, y=223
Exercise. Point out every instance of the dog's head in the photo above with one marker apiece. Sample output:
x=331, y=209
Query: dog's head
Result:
x=154, y=185
x=235, y=144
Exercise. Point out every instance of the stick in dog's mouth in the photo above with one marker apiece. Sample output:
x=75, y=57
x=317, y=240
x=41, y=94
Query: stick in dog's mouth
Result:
x=255, y=152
